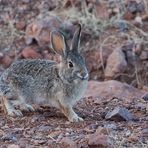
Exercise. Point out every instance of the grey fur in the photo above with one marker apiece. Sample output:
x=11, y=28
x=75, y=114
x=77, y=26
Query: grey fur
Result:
x=47, y=82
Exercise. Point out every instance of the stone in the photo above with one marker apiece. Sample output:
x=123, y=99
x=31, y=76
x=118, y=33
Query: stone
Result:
x=112, y=89
x=67, y=143
x=140, y=106
x=138, y=21
x=137, y=49
x=98, y=140
x=44, y=128
x=94, y=61
x=144, y=55
x=5, y=61
x=135, y=7
x=128, y=15
x=104, y=130
x=31, y=53
x=40, y=30
x=47, y=5
x=145, y=132
x=119, y=114
x=26, y=1
x=133, y=138
x=116, y=63
x=22, y=142
x=123, y=26
x=1, y=55
x=20, y=25
x=111, y=126
x=102, y=11
x=10, y=137
x=145, y=97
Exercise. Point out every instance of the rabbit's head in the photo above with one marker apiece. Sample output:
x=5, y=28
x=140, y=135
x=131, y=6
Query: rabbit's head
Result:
x=72, y=65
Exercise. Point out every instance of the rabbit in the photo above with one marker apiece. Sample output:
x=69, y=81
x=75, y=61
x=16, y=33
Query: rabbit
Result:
x=60, y=85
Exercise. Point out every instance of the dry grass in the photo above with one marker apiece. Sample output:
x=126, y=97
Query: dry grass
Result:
x=8, y=34
x=87, y=19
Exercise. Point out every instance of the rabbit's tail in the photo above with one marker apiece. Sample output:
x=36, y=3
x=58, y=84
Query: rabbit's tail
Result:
x=1, y=97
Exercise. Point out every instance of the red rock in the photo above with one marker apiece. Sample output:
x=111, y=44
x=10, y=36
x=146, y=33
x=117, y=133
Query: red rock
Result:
x=94, y=61
x=145, y=88
x=29, y=52
x=67, y=143
x=98, y=140
x=103, y=130
x=40, y=30
x=22, y=142
x=133, y=138
x=128, y=15
x=144, y=55
x=102, y=11
x=116, y=63
x=6, y=61
x=20, y=25
x=112, y=88
x=44, y=37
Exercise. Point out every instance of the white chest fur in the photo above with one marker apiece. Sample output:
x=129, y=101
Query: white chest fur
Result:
x=78, y=91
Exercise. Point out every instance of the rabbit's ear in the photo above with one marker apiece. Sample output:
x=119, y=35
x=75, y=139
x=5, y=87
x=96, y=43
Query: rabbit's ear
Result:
x=76, y=39
x=58, y=43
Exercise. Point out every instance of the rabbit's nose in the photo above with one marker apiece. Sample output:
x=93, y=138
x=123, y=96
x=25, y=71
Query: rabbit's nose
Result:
x=82, y=75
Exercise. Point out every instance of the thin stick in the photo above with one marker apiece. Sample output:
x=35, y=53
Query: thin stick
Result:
x=146, y=6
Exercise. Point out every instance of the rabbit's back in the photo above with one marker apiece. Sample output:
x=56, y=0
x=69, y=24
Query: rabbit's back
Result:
x=32, y=67
x=31, y=78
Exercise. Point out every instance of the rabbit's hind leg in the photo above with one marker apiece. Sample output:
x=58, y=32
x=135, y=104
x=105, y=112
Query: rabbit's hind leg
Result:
x=28, y=107
x=23, y=105
x=8, y=99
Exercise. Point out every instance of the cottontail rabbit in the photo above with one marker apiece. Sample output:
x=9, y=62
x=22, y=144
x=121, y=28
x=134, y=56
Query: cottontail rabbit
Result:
x=57, y=84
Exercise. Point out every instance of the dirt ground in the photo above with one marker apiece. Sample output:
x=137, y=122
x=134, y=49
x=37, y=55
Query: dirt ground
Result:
x=49, y=128
x=114, y=42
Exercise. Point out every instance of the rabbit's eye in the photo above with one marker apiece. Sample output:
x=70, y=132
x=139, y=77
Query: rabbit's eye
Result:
x=70, y=64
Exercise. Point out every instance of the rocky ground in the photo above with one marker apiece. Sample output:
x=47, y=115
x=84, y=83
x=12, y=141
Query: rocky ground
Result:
x=116, y=119
x=114, y=42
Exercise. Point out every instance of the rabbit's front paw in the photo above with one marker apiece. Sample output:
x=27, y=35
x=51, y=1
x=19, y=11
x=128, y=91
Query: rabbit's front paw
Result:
x=14, y=113
x=75, y=118
x=28, y=107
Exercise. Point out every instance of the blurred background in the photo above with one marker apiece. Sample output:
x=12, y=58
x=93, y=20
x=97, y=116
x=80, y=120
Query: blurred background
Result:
x=114, y=37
